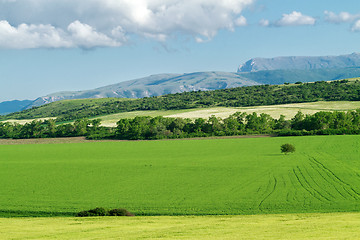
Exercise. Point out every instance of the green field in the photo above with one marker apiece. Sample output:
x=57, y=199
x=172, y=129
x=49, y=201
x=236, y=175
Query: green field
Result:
x=288, y=226
x=182, y=177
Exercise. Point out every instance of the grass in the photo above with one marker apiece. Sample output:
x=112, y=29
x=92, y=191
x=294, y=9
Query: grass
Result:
x=288, y=110
x=59, y=107
x=111, y=119
x=182, y=177
x=288, y=226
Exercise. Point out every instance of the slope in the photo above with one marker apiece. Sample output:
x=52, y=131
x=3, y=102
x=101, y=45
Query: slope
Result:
x=162, y=84
x=260, y=95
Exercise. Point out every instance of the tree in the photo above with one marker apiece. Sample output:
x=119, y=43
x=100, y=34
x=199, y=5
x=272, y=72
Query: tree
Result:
x=287, y=148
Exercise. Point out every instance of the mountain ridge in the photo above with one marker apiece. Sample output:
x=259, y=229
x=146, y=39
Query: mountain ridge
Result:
x=155, y=85
x=161, y=84
x=256, y=71
x=13, y=106
x=300, y=62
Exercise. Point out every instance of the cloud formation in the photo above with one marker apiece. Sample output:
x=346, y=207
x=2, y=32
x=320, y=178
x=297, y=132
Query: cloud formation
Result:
x=46, y=36
x=292, y=19
x=295, y=19
x=356, y=26
x=264, y=23
x=93, y=23
x=342, y=17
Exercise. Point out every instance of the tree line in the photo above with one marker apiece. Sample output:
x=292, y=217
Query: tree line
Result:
x=147, y=128
x=342, y=90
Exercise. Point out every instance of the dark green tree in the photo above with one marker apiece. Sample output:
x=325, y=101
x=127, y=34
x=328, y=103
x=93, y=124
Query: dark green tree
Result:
x=287, y=148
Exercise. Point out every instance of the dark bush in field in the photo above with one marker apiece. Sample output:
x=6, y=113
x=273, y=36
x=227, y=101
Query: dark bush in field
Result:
x=120, y=212
x=287, y=148
x=104, y=212
x=93, y=212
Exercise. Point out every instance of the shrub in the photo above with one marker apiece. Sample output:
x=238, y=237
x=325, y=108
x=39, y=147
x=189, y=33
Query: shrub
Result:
x=93, y=212
x=104, y=212
x=287, y=148
x=120, y=212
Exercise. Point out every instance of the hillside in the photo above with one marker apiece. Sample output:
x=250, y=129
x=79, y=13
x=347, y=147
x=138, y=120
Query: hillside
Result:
x=345, y=90
x=301, y=63
x=156, y=85
x=163, y=84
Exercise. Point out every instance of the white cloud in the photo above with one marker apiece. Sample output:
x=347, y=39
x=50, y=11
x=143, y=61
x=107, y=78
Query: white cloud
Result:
x=47, y=36
x=295, y=19
x=342, y=17
x=86, y=36
x=241, y=21
x=31, y=36
x=264, y=22
x=108, y=22
x=356, y=26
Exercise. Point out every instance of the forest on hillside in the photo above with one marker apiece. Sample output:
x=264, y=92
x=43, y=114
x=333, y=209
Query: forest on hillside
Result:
x=341, y=90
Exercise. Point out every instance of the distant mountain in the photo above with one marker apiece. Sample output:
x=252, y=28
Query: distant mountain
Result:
x=156, y=85
x=162, y=84
x=301, y=63
x=13, y=106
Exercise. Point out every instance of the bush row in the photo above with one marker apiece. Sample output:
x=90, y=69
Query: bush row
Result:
x=104, y=212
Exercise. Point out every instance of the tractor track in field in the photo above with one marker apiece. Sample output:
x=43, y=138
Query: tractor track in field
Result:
x=331, y=175
x=315, y=167
x=307, y=186
x=316, y=182
x=271, y=192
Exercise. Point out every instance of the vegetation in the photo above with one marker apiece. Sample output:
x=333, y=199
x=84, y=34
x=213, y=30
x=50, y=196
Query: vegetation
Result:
x=288, y=110
x=288, y=226
x=99, y=211
x=183, y=177
x=140, y=128
x=343, y=90
x=287, y=148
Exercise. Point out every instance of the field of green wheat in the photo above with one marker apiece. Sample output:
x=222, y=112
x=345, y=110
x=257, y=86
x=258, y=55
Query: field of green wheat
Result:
x=182, y=177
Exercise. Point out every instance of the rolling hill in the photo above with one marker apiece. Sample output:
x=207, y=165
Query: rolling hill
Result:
x=156, y=85
x=259, y=95
x=162, y=84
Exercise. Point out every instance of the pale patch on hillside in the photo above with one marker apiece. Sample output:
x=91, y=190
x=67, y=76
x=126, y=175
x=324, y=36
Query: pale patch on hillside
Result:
x=23, y=121
x=288, y=110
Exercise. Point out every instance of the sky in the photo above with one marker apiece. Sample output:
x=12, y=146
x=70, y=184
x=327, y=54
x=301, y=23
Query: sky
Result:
x=61, y=45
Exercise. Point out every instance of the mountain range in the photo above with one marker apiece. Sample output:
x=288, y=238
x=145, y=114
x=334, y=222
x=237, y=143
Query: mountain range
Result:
x=256, y=71
x=13, y=106
x=301, y=63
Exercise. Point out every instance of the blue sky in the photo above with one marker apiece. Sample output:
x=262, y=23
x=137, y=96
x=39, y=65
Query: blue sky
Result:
x=50, y=46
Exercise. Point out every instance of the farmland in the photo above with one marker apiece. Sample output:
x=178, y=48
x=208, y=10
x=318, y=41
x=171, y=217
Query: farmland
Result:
x=281, y=226
x=260, y=95
x=288, y=110
x=182, y=177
